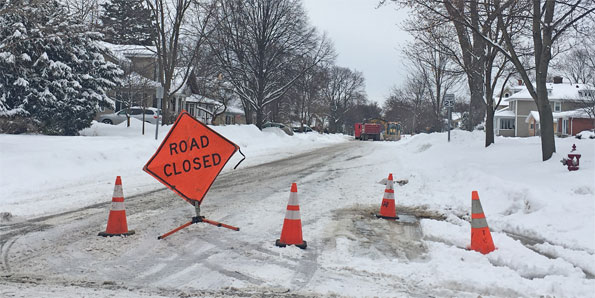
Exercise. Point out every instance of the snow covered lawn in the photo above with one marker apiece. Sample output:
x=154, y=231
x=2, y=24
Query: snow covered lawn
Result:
x=542, y=216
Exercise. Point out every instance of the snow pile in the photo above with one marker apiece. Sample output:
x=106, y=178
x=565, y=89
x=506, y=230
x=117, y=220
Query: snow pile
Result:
x=47, y=174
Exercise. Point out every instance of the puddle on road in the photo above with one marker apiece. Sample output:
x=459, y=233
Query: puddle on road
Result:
x=401, y=238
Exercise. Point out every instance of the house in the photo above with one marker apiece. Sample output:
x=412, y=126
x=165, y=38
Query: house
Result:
x=139, y=86
x=140, y=74
x=188, y=98
x=521, y=119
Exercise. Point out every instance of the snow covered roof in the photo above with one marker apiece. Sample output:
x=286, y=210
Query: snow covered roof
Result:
x=579, y=113
x=533, y=115
x=136, y=79
x=557, y=92
x=504, y=113
x=234, y=110
x=123, y=52
x=180, y=83
x=201, y=99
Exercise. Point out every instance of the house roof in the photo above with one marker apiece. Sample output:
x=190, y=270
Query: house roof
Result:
x=505, y=113
x=178, y=80
x=579, y=113
x=533, y=115
x=201, y=99
x=232, y=108
x=123, y=52
x=559, y=92
x=138, y=80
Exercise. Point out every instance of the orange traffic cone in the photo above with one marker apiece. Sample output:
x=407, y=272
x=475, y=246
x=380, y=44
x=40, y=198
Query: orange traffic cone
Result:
x=387, y=209
x=292, y=225
x=481, y=238
x=116, y=222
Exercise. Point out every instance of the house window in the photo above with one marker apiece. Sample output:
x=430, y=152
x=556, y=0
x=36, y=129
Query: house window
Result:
x=557, y=106
x=531, y=125
x=229, y=119
x=506, y=123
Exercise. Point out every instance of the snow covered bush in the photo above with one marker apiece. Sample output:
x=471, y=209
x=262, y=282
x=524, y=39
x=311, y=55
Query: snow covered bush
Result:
x=52, y=71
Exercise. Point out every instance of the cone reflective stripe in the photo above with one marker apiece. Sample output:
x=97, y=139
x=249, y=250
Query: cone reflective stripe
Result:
x=481, y=238
x=291, y=234
x=388, y=209
x=116, y=222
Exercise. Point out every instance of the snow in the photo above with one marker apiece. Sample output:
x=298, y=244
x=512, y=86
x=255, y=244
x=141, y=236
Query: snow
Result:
x=59, y=167
x=541, y=216
x=556, y=92
x=504, y=113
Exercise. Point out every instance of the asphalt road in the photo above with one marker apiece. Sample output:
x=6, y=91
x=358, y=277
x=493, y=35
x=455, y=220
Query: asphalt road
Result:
x=64, y=249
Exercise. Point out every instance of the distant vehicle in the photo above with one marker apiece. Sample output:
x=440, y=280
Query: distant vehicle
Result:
x=134, y=112
x=378, y=129
x=298, y=129
x=370, y=131
x=282, y=126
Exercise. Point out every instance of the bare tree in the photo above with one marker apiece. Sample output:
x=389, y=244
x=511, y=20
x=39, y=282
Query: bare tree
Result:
x=85, y=11
x=482, y=63
x=578, y=66
x=307, y=94
x=256, y=42
x=344, y=89
x=430, y=62
x=170, y=21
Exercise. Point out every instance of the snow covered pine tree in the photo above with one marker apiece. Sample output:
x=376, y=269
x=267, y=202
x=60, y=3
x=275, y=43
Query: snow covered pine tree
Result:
x=52, y=72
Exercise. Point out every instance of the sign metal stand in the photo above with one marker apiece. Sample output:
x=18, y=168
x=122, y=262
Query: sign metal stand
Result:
x=196, y=219
x=449, y=103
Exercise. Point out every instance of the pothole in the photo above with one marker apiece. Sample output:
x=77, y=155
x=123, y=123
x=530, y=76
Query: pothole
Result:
x=376, y=237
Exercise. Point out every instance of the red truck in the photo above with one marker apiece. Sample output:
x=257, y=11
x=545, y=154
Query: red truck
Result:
x=367, y=131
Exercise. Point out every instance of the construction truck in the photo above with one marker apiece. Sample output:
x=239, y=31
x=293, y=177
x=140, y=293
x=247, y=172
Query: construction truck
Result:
x=393, y=131
x=378, y=129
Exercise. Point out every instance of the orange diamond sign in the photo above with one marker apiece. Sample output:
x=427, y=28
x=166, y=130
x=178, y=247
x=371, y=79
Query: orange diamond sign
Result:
x=190, y=158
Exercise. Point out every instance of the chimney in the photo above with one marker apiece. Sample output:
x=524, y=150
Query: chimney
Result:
x=558, y=80
x=520, y=82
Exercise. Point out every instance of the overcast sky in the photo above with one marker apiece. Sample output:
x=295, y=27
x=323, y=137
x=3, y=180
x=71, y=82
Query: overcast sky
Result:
x=365, y=38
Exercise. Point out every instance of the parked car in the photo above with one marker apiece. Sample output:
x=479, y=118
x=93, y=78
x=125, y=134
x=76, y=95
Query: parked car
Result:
x=282, y=126
x=305, y=128
x=135, y=112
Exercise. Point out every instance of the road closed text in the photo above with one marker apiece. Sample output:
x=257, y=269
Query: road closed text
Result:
x=194, y=160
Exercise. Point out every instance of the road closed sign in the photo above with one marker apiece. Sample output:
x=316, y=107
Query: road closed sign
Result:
x=190, y=158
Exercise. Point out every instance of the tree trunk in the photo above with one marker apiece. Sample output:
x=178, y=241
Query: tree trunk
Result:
x=477, y=105
x=259, y=118
x=489, y=127
x=546, y=120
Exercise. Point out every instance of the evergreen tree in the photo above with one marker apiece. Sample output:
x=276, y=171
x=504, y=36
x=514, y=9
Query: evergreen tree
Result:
x=52, y=72
x=127, y=22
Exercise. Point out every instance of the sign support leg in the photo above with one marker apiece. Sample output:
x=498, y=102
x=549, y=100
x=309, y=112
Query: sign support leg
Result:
x=196, y=219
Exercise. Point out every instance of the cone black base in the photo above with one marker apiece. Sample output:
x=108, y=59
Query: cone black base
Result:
x=387, y=217
x=104, y=234
x=303, y=245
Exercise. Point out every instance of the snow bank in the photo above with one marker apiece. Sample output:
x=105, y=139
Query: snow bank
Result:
x=47, y=174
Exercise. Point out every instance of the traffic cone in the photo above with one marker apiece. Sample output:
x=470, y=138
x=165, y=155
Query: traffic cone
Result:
x=116, y=222
x=387, y=209
x=292, y=225
x=481, y=238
